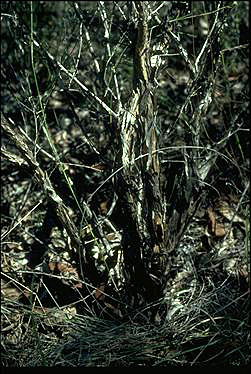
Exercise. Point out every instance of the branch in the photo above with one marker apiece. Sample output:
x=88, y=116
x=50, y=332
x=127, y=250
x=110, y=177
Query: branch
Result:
x=41, y=176
x=81, y=85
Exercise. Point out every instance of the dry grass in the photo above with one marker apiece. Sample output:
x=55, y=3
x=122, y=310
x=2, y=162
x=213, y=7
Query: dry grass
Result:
x=207, y=324
x=200, y=332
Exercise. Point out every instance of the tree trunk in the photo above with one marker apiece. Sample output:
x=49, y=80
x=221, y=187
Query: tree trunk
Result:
x=144, y=236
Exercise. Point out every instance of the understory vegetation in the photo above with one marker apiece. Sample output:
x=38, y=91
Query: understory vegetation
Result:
x=125, y=171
